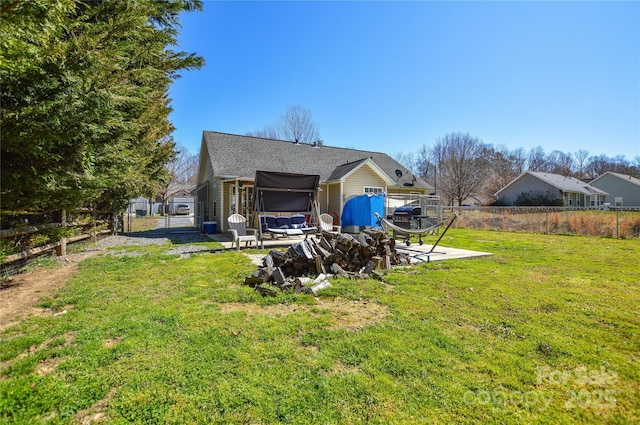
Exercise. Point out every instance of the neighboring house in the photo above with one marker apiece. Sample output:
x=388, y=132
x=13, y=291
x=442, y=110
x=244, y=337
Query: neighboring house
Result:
x=566, y=191
x=228, y=164
x=622, y=190
x=476, y=201
x=178, y=200
x=142, y=206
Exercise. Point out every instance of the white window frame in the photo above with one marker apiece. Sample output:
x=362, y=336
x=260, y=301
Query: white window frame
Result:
x=373, y=190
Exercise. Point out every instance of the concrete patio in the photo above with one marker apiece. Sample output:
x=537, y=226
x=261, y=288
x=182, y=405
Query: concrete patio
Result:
x=421, y=253
x=418, y=253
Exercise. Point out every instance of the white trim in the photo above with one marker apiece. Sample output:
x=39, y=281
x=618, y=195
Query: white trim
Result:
x=376, y=169
x=341, y=198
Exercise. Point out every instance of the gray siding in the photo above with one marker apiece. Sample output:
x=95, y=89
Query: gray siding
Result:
x=528, y=184
x=618, y=187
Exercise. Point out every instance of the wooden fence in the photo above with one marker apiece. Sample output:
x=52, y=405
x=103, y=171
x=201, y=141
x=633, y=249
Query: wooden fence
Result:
x=40, y=235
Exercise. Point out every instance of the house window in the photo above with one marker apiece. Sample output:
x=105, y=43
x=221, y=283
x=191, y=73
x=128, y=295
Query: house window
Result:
x=372, y=190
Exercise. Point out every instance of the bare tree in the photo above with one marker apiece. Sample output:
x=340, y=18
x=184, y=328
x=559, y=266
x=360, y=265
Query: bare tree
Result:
x=405, y=158
x=505, y=165
x=296, y=124
x=581, y=161
x=537, y=159
x=636, y=166
x=599, y=164
x=182, y=170
x=266, y=132
x=519, y=160
x=462, y=165
x=559, y=162
x=426, y=165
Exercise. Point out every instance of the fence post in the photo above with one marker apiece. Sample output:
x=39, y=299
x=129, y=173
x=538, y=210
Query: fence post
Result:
x=62, y=248
x=94, y=234
x=546, y=220
x=617, y=223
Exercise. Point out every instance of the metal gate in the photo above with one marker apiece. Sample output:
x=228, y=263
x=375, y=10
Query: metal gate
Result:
x=179, y=213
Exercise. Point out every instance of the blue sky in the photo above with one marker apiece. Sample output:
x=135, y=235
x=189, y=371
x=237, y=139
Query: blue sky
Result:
x=394, y=76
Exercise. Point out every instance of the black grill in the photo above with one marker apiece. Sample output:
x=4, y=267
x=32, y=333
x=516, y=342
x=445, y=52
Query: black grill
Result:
x=408, y=216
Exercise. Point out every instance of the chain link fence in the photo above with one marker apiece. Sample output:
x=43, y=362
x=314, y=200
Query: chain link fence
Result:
x=618, y=222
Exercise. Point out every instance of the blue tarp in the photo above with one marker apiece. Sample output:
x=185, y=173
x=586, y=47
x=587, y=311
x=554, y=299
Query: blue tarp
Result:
x=359, y=211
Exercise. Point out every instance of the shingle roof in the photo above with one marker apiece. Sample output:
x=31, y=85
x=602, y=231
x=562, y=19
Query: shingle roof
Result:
x=344, y=169
x=238, y=156
x=567, y=183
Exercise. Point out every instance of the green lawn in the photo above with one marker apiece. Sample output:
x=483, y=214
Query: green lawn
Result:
x=545, y=331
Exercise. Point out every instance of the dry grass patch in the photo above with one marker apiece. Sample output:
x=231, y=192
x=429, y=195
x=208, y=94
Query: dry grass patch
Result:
x=341, y=369
x=345, y=314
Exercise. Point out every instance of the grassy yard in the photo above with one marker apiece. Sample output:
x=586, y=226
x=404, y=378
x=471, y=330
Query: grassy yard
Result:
x=545, y=331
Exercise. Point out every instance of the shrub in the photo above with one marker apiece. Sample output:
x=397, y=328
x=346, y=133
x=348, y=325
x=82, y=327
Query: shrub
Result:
x=537, y=199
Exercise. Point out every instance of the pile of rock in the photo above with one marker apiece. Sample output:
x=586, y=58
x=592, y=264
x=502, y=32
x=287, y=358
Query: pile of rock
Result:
x=369, y=254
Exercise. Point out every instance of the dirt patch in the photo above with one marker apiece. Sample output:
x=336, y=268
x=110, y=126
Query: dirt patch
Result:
x=23, y=292
x=47, y=366
x=346, y=314
x=96, y=413
x=110, y=343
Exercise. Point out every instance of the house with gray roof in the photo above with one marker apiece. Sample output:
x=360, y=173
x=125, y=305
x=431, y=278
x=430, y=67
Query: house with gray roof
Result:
x=228, y=164
x=565, y=190
x=622, y=190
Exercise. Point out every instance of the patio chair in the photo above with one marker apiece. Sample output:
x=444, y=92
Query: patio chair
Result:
x=326, y=224
x=295, y=225
x=239, y=231
x=268, y=224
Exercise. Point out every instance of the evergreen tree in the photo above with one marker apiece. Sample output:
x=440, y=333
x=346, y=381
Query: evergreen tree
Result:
x=84, y=99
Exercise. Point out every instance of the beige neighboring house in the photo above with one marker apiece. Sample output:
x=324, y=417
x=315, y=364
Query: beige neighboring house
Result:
x=623, y=190
x=228, y=164
x=571, y=191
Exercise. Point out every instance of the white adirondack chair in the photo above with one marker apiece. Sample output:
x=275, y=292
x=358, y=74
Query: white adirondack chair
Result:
x=239, y=231
x=326, y=224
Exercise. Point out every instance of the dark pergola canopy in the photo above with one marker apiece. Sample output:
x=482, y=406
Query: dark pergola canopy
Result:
x=285, y=192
